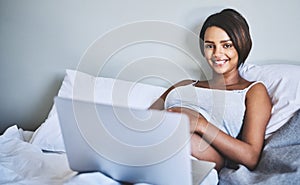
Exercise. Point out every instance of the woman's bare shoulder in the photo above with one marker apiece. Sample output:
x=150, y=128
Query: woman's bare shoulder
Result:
x=184, y=83
x=257, y=89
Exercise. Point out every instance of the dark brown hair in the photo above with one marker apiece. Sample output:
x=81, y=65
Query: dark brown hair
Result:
x=235, y=25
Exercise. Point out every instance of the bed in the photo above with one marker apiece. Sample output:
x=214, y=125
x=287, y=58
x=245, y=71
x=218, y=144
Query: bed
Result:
x=38, y=157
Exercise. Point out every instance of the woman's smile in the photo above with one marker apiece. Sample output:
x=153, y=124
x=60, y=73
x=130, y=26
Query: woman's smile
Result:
x=220, y=62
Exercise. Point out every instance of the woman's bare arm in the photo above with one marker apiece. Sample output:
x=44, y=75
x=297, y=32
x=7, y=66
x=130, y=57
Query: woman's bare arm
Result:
x=247, y=150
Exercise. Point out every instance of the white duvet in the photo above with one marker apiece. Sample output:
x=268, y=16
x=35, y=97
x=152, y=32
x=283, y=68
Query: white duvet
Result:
x=26, y=164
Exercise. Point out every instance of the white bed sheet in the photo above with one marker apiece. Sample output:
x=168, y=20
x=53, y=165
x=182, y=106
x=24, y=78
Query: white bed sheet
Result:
x=25, y=163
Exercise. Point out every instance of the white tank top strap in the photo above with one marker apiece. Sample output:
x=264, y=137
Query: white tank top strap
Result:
x=254, y=83
x=195, y=82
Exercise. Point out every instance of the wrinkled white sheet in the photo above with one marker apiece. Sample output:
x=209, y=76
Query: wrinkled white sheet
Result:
x=25, y=163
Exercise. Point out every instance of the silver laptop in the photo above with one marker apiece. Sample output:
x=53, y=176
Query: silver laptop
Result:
x=129, y=145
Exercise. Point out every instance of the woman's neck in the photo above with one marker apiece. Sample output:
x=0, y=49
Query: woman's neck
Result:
x=220, y=80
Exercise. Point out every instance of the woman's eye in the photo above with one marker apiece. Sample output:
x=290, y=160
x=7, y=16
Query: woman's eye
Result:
x=227, y=46
x=209, y=46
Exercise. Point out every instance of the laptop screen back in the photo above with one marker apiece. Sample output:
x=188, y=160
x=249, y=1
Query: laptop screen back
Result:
x=126, y=144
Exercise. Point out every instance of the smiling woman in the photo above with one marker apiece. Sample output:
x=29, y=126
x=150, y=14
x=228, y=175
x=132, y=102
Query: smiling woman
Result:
x=228, y=114
x=219, y=49
x=236, y=28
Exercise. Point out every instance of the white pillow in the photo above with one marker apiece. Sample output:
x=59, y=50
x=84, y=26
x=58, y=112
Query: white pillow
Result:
x=283, y=84
x=281, y=80
x=82, y=86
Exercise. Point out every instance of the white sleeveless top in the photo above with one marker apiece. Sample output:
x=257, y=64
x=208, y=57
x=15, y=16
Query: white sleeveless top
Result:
x=223, y=108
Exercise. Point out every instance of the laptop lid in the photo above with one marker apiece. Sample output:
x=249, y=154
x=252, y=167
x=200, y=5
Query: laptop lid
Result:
x=128, y=145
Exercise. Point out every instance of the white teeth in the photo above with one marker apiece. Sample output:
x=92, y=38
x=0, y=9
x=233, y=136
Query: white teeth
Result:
x=220, y=62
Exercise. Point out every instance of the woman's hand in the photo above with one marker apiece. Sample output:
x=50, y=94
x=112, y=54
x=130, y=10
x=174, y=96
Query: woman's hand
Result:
x=197, y=122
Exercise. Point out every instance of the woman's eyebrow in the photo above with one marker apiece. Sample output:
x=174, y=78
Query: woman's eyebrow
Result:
x=222, y=41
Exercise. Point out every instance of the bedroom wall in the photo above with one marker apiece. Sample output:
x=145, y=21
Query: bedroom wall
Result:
x=40, y=39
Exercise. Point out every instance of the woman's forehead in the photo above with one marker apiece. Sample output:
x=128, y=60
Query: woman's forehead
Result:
x=216, y=34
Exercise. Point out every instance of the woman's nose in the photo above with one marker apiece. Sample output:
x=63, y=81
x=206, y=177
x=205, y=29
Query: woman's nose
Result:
x=218, y=50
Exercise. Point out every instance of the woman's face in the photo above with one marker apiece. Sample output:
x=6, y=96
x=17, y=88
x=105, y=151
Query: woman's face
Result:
x=219, y=50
